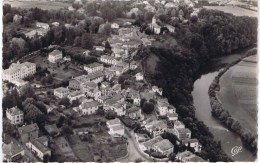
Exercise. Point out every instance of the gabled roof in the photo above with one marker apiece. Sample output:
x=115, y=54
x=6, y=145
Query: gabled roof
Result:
x=164, y=145
x=90, y=104
x=28, y=128
x=38, y=143
x=14, y=111
x=11, y=149
x=114, y=122
x=55, y=52
x=152, y=141
x=93, y=65
x=51, y=128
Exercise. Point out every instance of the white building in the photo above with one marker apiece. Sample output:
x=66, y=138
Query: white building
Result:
x=42, y=25
x=115, y=127
x=114, y=26
x=54, y=56
x=19, y=71
x=39, y=147
x=93, y=67
x=163, y=106
x=61, y=92
x=139, y=76
x=88, y=108
x=99, y=48
x=108, y=60
x=15, y=115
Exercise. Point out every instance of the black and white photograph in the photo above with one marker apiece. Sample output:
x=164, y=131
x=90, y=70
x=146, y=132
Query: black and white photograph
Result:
x=129, y=81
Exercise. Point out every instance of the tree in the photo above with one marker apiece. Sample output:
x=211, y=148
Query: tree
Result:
x=87, y=41
x=77, y=41
x=143, y=100
x=148, y=107
x=107, y=45
x=194, y=19
x=65, y=101
x=148, y=16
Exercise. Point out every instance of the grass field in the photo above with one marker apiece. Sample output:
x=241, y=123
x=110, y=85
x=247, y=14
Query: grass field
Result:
x=40, y=4
x=237, y=11
x=239, y=99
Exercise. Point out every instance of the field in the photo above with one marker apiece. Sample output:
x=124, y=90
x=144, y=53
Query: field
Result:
x=239, y=98
x=40, y=4
x=237, y=11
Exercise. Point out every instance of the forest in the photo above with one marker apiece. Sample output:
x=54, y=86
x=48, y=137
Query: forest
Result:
x=211, y=35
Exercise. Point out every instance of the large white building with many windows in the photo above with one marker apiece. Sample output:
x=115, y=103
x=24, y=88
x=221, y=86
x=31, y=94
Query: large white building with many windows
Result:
x=14, y=115
x=19, y=71
x=93, y=67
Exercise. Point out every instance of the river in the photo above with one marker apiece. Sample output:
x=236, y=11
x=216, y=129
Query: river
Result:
x=203, y=113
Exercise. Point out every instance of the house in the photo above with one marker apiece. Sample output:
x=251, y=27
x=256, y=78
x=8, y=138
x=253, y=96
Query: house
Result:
x=165, y=147
x=115, y=127
x=157, y=90
x=19, y=71
x=141, y=137
x=86, y=53
x=52, y=129
x=85, y=87
x=113, y=122
x=14, y=115
x=139, y=76
x=163, y=105
x=68, y=58
x=171, y=109
x=56, y=24
x=99, y=48
x=146, y=42
x=155, y=27
x=96, y=77
x=133, y=65
x=119, y=108
x=75, y=95
x=181, y=133
x=28, y=132
x=134, y=112
x=125, y=32
x=39, y=147
x=61, y=92
x=149, y=144
x=114, y=26
x=81, y=131
x=12, y=152
x=109, y=75
x=187, y=156
x=170, y=28
x=43, y=25
x=172, y=116
x=75, y=83
x=55, y=56
x=88, y=108
x=108, y=60
x=94, y=93
x=134, y=95
x=93, y=67
x=193, y=143
x=178, y=124
x=156, y=128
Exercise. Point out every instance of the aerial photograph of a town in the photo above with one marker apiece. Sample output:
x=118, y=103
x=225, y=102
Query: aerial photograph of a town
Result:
x=129, y=80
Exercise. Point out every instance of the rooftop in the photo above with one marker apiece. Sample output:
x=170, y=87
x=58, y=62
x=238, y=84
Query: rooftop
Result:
x=16, y=67
x=14, y=111
x=152, y=141
x=28, y=128
x=61, y=89
x=114, y=122
x=55, y=52
x=164, y=145
x=39, y=145
x=11, y=149
x=93, y=65
x=90, y=104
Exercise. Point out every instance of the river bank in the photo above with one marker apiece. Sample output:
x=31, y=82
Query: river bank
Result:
x=203, y=112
